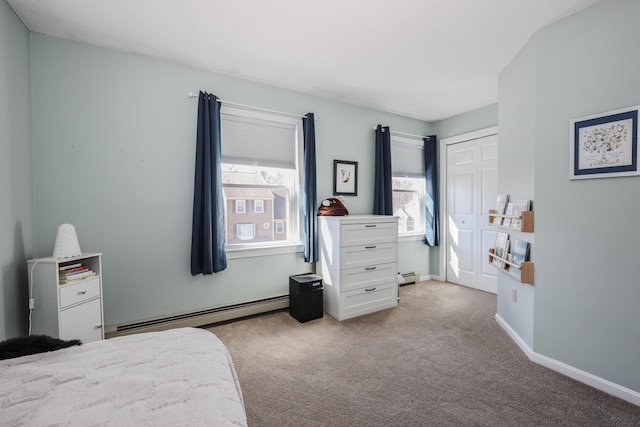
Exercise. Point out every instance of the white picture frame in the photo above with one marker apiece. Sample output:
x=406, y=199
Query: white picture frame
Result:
x=604, y=145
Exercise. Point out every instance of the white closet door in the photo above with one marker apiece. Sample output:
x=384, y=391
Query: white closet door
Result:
x=472, y=182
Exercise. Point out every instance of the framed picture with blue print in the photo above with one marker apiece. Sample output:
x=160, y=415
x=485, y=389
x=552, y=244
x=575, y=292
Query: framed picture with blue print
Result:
x=604, y=145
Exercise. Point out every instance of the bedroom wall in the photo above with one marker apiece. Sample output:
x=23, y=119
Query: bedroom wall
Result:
x=516, y=160
x=586, y=289
x=480, y=118
x=16, y=185
x=114, y=138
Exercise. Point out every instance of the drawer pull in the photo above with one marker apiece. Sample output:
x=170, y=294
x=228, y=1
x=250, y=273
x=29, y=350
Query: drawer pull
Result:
x=82, y=292
x=370, y=247
x=369, y=289
x=370, y=225
x=369, y=268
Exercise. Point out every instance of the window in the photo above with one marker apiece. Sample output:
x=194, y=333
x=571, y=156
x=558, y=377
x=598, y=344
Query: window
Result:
x=261, y=158
x=408, y=183
x=245, y=231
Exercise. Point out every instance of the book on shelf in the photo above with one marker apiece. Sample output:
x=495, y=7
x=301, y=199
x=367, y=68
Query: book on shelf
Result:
x=76, y=278
x=518, y=207
x=75, y=270
x=501, y=205
x=509, y=212
x=501, y=249
x=69, y=266
x=75, y=275
x=519, y=251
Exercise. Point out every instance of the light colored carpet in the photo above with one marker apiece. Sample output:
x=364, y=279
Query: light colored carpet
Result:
x=438, y=359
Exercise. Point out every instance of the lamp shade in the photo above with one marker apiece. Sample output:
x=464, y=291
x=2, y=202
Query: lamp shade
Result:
x=67, y=244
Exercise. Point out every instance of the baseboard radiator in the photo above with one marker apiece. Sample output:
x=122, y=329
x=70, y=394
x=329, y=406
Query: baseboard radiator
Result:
x=200, y=317
x=408, y=278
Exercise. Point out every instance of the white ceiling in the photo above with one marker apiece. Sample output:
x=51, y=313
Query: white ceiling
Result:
x=427, y=59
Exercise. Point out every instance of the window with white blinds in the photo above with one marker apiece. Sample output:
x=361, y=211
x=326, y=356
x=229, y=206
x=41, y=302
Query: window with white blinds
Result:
x=407, y=157
x=255, y=141
x=261, y=167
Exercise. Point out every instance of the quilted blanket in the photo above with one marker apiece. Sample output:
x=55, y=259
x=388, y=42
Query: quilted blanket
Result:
x=179, y=377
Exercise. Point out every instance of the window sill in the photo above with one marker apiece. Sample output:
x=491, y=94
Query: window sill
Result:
x=237, y=253
x=410, y=237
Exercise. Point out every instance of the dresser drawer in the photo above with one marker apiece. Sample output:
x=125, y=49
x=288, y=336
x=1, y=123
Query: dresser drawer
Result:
x=367, y=300
x=368, y=233
x=368, y=276
x=359, y=256
x=78, y=292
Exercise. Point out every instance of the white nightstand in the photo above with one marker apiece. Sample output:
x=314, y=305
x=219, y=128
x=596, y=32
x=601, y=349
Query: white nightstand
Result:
x=67, y=309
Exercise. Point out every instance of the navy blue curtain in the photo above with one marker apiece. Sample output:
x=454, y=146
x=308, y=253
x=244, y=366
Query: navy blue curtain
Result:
x=208, y=235
x=383, y=193
x=431, y=197
x=309, y=187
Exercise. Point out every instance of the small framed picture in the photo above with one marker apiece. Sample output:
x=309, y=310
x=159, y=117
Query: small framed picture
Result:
x=604, y=145
x=345, y=178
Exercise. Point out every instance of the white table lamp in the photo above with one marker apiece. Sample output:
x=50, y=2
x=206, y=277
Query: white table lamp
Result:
x=67, y=244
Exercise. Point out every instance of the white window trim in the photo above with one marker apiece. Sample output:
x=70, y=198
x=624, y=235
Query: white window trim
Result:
x=414, y=235
x=244, y=206
x=240, y=252
x=255, y=206
x=295, y=212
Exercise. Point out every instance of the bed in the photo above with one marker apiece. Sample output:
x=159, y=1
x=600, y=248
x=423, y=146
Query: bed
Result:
x=179, y=377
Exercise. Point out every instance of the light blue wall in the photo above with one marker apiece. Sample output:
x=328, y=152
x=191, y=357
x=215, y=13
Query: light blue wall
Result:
x=16, y=185
x=480, y=118
x=114, y=138
x=517, y=142
x=586, y=232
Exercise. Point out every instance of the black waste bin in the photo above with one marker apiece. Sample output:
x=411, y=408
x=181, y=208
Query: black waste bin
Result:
x=305, y=297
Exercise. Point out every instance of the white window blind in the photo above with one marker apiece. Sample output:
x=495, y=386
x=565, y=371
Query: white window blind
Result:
x=407, y=157
x=253, y=141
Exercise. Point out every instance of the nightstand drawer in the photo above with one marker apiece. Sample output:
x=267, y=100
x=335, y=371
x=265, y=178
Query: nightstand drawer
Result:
x=369, y=299
x=78, y=292
x=368, y=276
x=368, y=233
x=358, y=256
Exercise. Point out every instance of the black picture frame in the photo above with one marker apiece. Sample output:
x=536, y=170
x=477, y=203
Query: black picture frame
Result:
x=345, y=178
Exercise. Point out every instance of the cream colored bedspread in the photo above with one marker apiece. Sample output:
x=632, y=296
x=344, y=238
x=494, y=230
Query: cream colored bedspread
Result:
x=179, y=377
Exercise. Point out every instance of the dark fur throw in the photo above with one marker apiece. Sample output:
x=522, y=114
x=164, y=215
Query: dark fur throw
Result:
x=22, y=346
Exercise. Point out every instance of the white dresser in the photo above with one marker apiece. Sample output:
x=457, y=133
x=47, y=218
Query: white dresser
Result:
x=67, y=309
x=358, y=259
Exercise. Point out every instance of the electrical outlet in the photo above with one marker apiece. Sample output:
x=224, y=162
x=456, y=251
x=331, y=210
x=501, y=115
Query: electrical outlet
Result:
x=514, y=294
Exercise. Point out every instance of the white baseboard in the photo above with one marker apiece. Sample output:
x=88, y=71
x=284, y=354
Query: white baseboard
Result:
x=514, y=336
x=584, y=377
x=199, y=318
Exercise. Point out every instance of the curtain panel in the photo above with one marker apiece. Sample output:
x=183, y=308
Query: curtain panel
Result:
x=383, y=192
x=309, y=191
x=208, y=253
x=432, y=227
